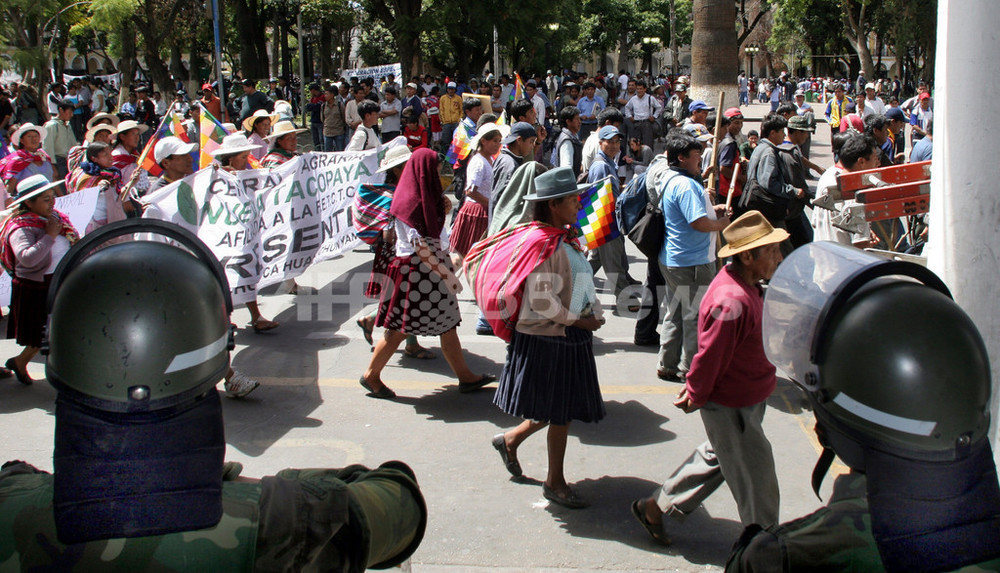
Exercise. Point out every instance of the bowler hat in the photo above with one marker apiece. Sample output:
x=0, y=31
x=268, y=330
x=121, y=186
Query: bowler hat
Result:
x=555, y=183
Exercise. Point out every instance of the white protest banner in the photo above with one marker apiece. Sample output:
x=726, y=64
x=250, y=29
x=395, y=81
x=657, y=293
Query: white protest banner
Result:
x=268, y=225
x=79, y=207
x=375, y=72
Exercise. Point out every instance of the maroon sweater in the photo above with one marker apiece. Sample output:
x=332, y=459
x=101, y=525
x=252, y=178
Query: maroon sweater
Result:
x=730, y=368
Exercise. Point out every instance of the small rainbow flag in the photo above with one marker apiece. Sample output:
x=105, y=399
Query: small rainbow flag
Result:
x=597, y=215
x=518, y=93
x=170, y=127
x=212, y=134
x=460, y=145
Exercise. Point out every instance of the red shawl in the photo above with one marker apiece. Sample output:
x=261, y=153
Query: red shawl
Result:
x=498, y=265
x=16, y=162
x=417, y=199
x=28, y=219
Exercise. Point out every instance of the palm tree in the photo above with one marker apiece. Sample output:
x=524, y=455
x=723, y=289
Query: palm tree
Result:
x=714, y=52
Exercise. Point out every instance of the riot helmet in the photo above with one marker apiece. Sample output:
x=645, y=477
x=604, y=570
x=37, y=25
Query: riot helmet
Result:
x=899, y=379
x=138, y=336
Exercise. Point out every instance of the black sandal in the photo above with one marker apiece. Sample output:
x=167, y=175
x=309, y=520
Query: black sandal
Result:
x=22, y=378
x=655, y=530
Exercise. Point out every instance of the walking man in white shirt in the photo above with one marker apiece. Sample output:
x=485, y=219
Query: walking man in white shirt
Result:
x=644, y=110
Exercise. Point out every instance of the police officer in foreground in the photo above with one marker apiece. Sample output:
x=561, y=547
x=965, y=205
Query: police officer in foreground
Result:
x=138, y=337
x=899, y=379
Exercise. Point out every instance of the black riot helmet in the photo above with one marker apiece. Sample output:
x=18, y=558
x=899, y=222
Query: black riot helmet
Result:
x=138, y=336
x=899, y=379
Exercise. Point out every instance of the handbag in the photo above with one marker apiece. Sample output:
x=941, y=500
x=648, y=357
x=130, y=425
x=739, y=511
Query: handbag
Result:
x=649, y=232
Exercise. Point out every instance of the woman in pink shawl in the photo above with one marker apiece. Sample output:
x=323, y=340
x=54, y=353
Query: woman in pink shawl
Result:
x=421, y=299
x=27, y=159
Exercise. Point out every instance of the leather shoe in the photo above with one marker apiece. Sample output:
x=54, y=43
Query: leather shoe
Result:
x=466, y=387
x=511, y=464
x=572, y=500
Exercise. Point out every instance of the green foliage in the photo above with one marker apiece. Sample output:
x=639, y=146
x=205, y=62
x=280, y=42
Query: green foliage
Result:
x=376, y=45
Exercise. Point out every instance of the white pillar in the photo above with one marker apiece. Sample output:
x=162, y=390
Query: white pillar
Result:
x=964, y=247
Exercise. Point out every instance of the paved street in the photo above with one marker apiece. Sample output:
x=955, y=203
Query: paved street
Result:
x=310, y=411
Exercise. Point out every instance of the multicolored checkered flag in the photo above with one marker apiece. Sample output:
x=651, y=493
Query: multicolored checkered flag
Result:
x=597, y=215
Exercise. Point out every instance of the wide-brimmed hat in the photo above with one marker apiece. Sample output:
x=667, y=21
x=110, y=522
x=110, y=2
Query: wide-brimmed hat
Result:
x=232, y=144
x=131, y=124
x=555, y=183
x=32, y=186
x=259, y=114
x=114, y=119
x=16, y=138
x=92, y=132
x=395, y=156
x=749, y=231
x=283, y=128
x=487, y=129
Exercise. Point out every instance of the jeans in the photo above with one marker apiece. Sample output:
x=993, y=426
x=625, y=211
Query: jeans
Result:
x=679, y=340
x=334, y=143
x=316, y=129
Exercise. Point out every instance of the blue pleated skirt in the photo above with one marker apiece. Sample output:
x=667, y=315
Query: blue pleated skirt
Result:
x=551, y=378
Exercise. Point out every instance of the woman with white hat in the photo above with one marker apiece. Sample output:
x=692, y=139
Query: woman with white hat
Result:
x=32, y=242
x=284, y=144
x=384, y=243
x=234, y=155
x=126, y=158
x=257, y=127
x=27, y=159
x=473, y=217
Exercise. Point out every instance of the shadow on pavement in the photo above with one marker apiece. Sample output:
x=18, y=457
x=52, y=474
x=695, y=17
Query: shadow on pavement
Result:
x=286, y=361
x=789, y=398
x=627, y=424
x=16, y=397
x=700, y=539
x=448, y=405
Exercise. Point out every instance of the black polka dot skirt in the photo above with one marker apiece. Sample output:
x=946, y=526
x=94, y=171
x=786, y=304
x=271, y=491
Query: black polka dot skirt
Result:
x=417, y=301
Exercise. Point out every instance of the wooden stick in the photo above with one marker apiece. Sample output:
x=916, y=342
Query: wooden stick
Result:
x=713, y=177
x=732, y=186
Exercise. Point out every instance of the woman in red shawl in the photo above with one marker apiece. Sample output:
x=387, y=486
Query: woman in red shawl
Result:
x=422, y=297
x=28, y=158
x=536, y=289
x=32, y=242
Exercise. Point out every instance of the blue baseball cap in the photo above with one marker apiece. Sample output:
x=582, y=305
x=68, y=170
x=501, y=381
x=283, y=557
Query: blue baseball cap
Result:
x=895, y=113
x=699, y=104
x=607, y=132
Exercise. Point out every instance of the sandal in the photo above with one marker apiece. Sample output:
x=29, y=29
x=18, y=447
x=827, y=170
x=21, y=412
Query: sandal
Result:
x=263, y=325
x=385, y=393
x=419, y=353
x=366, y=330
x=466, y=387
x=655, y=530
x=571, y=500
x=12, y=370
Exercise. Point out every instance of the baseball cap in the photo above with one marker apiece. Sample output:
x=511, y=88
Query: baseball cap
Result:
x=924, y=95
x=733, y=113
x=800, y=123
x=411, y=85
x=249, y=83
x=799, y=93
x=169, y=146
x=520, y=129
x=869, y=86
x=206, y=87
x=608, y=132
x=680, y=88
x=698, y=105
x=452, y=85
x=698, y=131
x=895, y=113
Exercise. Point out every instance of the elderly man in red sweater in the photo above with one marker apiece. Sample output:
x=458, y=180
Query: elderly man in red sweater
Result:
x=729, y=380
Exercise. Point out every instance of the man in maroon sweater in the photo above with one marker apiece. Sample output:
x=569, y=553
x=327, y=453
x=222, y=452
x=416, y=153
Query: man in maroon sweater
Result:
x=729, y=380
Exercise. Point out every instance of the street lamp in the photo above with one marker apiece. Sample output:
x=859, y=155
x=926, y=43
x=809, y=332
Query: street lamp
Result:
x=800, y=54
x=648, y=42
x=751, y=50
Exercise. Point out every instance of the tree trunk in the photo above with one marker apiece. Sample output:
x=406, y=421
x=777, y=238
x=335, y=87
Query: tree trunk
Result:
x=252, y=39
x=326, y=52
x=127, y=65
x=675, y=53
x=623, y=47
x=714, y=51
x=855, y=30
x=275, y=43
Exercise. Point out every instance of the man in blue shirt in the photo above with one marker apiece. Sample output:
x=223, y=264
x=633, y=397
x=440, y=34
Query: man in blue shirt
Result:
x=923, y=147
x=687, y=258
x=611, y=255
x=590, y=106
